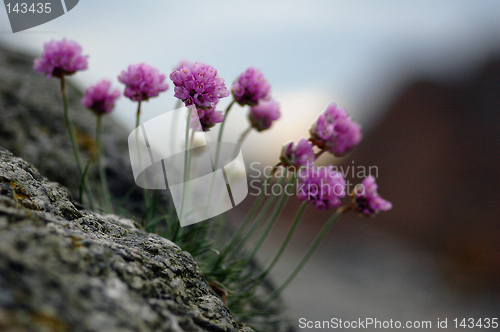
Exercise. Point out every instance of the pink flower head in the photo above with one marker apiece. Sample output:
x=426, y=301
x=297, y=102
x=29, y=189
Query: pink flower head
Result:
x=181, y=64
x=99, y=98
x=199, y=86
x=60, y=58
x=366, y=200
x=250, y=88
x=142, y=82
x=321, y=186
x=262, y=115
x=335, y=131
x=207, y=119
x=298, y=155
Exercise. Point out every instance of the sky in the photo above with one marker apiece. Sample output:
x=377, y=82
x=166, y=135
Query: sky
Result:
x=353, y=53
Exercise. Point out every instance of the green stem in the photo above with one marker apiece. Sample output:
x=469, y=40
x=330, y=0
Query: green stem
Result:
x=253, y=210
x=144, y=191
x=240, y=141
x=295, y=223
x=215, y=165
x=321, y=235
x=102, y=171
x=250, y=215
x=173, y=128
x=173, y=137
x=219, y=138
x=257, y=221
x=138, y=116
x=276, y=212
x=73, y=140
x=186, y=162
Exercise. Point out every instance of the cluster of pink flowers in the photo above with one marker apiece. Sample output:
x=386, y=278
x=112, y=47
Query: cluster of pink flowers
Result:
x=366, y=200
x=206, y=119
x=198, y=85
x=142, y=82
x=298, y=155
x=60, y=58
x=262, y=115
x=321, y=186
x=335, y=131
x=250, y=88
x=99, y=98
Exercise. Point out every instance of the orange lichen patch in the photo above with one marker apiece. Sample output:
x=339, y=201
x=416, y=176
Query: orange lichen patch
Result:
x=86, y=143
x=19, y=193
x=76, y=241
x=48, y=322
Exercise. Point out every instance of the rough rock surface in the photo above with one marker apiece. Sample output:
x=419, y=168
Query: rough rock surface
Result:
x=64, y=269
x=32, y=127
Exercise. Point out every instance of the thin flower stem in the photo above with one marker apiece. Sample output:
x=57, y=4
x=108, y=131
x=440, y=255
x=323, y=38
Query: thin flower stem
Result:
x=144, y=191
x=252, y=212
x=102, y=172
x=248, y=217
x=240, y=141
x=73, y=141
x=190, y=158
x=317, y=155
x=321, y=235
x=173, y=136
x=186, y=163
x=228, y=247
x=215, y=163
x=274, y=216
x=219, y=138
x=257, y=221
x=138, y=116
x=173, y=128
x=295, y=223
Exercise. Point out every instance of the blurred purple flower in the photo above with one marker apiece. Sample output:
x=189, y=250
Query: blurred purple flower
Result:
x=99, y=98
x=250, y=87
x=321, y=186
x=181, y=64
x=142, y=82
x=262, y=115
x=335, y=131
x=298, y=155
x=60, y=58
x=207, y=119
x=198, y=85
x=366, y=200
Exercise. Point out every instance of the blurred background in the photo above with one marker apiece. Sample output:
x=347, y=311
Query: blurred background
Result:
x=423, y=79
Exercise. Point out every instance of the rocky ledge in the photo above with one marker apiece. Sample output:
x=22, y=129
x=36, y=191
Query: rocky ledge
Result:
x=65, y=269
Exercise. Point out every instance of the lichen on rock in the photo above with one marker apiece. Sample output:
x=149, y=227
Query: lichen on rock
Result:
x=69, y=269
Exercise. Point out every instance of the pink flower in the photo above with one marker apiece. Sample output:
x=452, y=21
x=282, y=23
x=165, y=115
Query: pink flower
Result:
x=142, y=82
x=250, y=87
x=99, y=98
x=198, y=85
x=298, y=155
x=207, y=119
x=60, y=58
x=262, y=115
x=321, y=186
x=335, y=131
x=181, y=64
x=366, y=200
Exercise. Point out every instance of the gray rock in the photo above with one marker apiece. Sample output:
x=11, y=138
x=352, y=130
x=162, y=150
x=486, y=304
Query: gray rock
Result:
x=32, y=127
x=64, y=269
